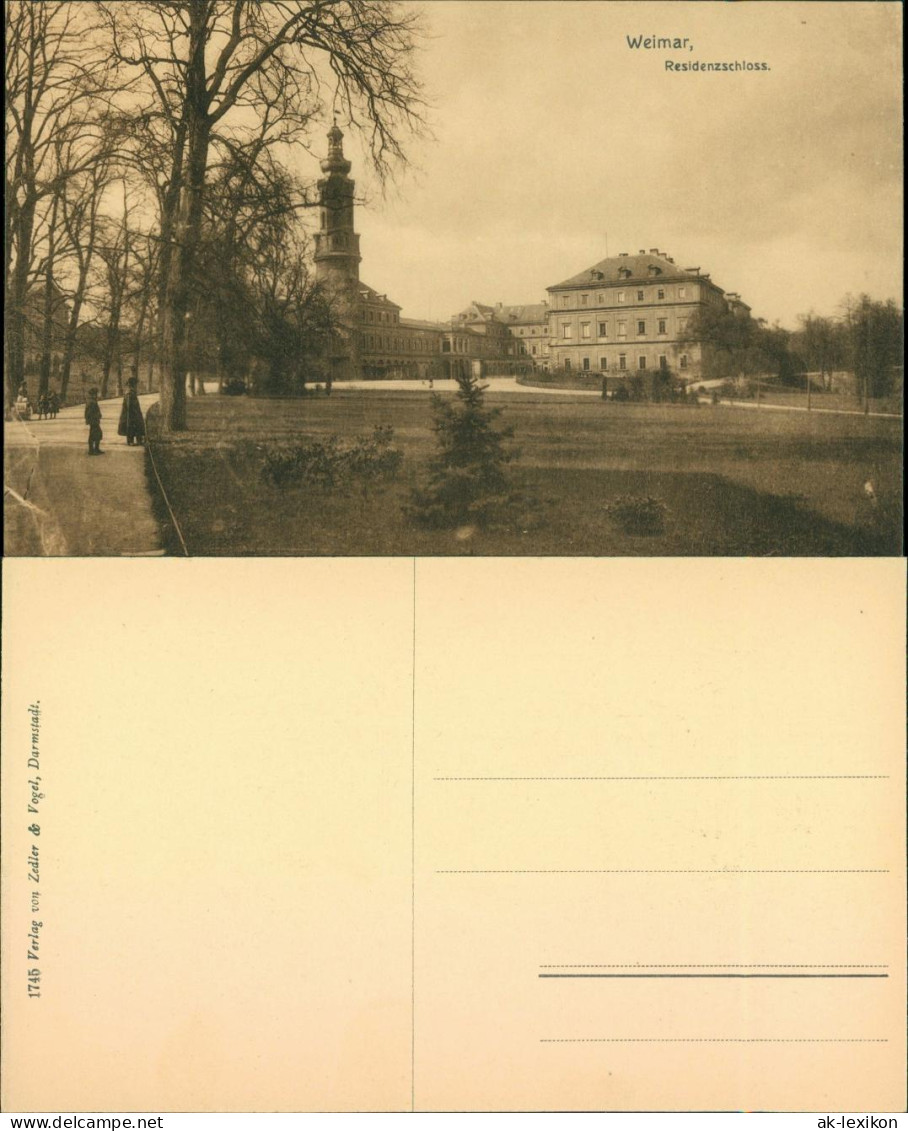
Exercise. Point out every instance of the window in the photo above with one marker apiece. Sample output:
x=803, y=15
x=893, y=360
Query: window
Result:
x=622, y=329
x=584, y=329
x=682, y=292
x=682, y=325
x=603, y=330
x=641, y=362
x=622, y=361
x=586, y=364
x=639, y=296
x=663, y=361
x=565, y=299
x=567, y=363
x=565, y=329
x=621, y=296
x=584, y=299
x=599, y=299
x=603, y=363
x=660, y=293
x=662, y=326
x=641, y=329
x=684, y=361
x=534, y=351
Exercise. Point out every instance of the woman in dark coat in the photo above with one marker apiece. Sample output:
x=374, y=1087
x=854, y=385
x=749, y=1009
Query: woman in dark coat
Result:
x=132, y=424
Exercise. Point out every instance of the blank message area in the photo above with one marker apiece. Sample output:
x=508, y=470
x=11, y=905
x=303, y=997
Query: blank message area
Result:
x=658, y=837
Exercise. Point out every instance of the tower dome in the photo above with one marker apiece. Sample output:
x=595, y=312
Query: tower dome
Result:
x=335, y=162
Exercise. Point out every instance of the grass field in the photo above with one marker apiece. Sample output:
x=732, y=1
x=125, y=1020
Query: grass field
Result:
x=736, y=482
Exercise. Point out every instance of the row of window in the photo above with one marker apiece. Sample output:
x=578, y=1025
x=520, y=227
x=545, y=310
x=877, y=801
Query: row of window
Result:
x=407, y=345
x=585, y=364
x=586, y=328
x=643, y=295
x=381, y=316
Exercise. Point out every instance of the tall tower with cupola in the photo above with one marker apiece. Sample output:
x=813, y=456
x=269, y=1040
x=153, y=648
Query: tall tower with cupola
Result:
x=337, y=255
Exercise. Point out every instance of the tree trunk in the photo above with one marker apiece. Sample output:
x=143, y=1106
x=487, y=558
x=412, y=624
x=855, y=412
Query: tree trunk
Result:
x=16, y=302
x=69, y=343
x=47, y=326
x=186, y=229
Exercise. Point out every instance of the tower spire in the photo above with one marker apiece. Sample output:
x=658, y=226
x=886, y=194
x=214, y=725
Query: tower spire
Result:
x=337, y=255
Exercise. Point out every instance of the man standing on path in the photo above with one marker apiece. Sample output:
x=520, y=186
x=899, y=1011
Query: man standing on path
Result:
x=93, y=420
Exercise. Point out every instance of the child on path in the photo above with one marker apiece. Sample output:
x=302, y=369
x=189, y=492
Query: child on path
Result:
x=93, y=420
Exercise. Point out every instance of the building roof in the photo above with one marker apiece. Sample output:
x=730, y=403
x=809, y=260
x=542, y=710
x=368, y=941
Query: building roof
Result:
x=481, y=312
x=529, y=312
x=611, y=270
x=370, y=295
x=422, y=324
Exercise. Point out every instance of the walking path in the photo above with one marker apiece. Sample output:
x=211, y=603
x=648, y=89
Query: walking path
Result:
x=511, y=385
x=447, y=384
x=768, y=406
x=61, y=502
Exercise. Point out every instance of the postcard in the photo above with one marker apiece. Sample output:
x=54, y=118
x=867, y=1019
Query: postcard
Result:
x=453, y=637
x=515, y=279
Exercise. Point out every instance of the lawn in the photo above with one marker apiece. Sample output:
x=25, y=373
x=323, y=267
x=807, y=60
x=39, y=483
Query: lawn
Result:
x=735, y=481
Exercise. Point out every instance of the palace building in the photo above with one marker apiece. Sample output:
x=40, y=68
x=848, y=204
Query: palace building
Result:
x=373, y=340
x=628, y=316
x=624, y=317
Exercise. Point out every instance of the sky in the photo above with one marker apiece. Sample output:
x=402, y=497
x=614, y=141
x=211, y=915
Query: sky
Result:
x=556, y=143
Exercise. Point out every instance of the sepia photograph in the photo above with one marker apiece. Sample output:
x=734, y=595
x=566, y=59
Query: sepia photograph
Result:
x=453, y=596
x=453, y=278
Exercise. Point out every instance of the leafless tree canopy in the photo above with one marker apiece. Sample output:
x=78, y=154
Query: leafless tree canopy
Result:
x=175, y=100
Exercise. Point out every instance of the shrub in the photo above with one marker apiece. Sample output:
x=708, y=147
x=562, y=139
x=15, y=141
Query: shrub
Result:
x=638, y=514
x=327, y=463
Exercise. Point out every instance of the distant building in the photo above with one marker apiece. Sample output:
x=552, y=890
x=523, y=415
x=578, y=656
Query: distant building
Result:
x=625, y=316
x=504, y=332
x=628, y=315
x=372, y=340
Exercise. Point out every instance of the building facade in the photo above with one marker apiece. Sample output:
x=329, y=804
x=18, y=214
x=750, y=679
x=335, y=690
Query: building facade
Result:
x=628, y=315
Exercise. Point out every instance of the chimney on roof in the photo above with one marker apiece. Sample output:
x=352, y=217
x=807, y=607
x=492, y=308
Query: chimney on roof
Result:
x=654, y=251
x=498, y=305
x=622, y=255
x=642, y=251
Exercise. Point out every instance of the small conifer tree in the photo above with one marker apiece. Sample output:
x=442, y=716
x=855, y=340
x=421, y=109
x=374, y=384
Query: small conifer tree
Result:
x=467, y=481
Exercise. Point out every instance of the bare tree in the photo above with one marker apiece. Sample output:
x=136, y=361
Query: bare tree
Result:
x=115, y=251
x=209, y=68
x=56, y=72
x=80, y=206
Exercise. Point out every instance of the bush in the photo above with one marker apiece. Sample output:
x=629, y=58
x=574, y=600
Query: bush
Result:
x=327, y=464
x=638, y=514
